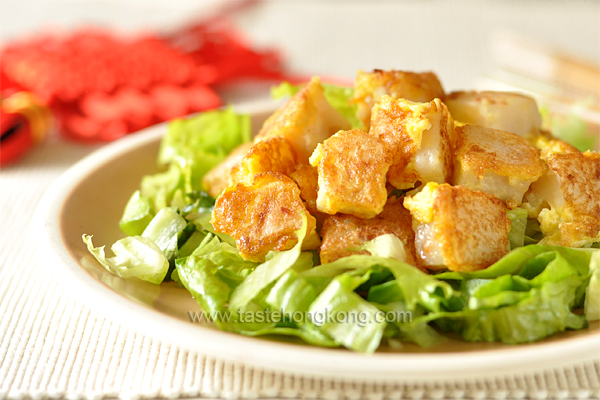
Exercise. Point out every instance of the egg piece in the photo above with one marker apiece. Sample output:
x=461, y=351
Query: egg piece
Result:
x=341, y=232
x=306, y=120
x=370, y=87
x=274, y=154
x=264, y=216
x=352, y=166
x=418, y=137
x=567, y=199
x=217, y=179
x=506, y=111
x=500, y=163
x=556, y=146
x=457, y=228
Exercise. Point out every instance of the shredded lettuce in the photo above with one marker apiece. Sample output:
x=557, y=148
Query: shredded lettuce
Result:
x=592, y=295
x=138, y=213
x=164, y=230
x=276, y=265
x=346, y=317
x=518, y=220
x=198, y=144
x=386, y=246
x=135, y=256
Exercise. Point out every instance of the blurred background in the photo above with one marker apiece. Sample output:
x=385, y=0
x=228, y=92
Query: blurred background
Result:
x=549, y=48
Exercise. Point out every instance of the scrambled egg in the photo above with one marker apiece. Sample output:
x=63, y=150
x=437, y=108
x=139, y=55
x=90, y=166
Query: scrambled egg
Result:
x=264, y=216
x=370, y=87
x=342, y=232
x=457, y=228
x=511, y=112
x=352, y=166
x=567, y=199
x=305, y=121
x=418, y=136
x=496, y=162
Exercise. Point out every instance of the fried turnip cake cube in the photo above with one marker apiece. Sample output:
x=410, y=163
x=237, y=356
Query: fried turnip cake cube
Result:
x=352, y=166
x=506, y=111
x=217, y=179
x=307, y=179
x=342, y=232
x=306, y=120
x=370, y=87
x=496, y=162
x=264, y=216
x=274, y=154
x=566, y=199
x=418, y=136
x=457, y=228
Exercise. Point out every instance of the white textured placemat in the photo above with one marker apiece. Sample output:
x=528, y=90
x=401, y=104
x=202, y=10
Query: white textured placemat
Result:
x=52, y=346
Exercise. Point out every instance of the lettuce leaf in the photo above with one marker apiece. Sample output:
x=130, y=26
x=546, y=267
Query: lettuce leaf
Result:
x=135, y=257
x=164, y=230
x=138, y=213
x=161, y=187
x=416, y=286
x=526, y=296
x=518, y=220
x=346, y=317
x=386, y=246
x=277, y=264
x=592, y=294
x=198, y=144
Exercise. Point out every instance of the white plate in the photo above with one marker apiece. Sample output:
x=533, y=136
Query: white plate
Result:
x=90, y=197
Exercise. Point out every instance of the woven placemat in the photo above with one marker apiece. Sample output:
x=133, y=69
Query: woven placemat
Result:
x=52, y=346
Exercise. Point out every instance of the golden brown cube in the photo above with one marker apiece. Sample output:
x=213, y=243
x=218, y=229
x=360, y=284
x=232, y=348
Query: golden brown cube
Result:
x=305, y=121
x=506, y=111
x=307, y=179
x=418, y=136
x=217, y=179
x=457, y=228
x=370, y=87
x=566, y=199
x=352, y=166
x=271, y=155
x=500, y=163
x=264, y=216
x=342, y=232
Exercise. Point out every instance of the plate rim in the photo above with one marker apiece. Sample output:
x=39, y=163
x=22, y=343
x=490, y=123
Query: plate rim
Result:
x=272, y=355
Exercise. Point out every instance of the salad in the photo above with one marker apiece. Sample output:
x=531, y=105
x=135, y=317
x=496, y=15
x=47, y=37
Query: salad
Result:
x=386, y=213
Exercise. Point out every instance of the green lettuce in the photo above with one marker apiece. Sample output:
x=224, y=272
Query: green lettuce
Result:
x=135, y=257
x=277, y=264
x=138, y=213
x=198, y=144
x=592, y=297
x=518, y=220
x=386, y=246
x=527, y=295
x=346, y=317
x=164, y=230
